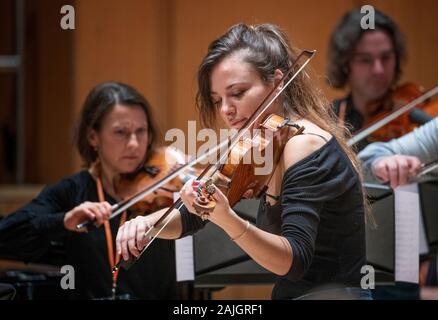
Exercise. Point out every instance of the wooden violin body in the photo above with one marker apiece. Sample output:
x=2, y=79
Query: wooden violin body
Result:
x=397, y=98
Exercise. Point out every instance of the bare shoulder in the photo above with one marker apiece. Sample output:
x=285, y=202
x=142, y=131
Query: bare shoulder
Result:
x=301, y=146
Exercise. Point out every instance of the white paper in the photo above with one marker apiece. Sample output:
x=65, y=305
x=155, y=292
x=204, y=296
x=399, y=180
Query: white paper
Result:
x=407, y=212
x=185, y=269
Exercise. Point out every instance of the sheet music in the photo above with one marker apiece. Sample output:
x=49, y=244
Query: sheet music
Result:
x=407, y=212
x=185, y=269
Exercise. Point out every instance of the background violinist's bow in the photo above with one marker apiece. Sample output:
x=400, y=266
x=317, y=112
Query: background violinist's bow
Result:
x=362, y=134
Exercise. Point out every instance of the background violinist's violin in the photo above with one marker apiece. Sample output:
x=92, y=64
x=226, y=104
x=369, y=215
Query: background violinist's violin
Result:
x=163, y=162
x=405, y=123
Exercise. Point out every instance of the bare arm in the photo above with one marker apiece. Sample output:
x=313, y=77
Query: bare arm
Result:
x=273, y=252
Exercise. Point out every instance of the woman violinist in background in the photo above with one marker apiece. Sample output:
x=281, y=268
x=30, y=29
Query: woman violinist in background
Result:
x=311, y=222
x=116, y=135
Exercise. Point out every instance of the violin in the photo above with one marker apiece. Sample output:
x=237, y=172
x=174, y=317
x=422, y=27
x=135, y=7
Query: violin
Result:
x=405, y=123
x=237, y=177
x=399, y=113
x=164, y=161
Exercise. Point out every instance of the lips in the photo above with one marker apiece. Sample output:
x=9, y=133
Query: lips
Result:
x=238, y=122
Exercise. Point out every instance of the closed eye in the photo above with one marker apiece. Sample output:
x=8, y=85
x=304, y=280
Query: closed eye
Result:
x=238, y=94
x=120, y=132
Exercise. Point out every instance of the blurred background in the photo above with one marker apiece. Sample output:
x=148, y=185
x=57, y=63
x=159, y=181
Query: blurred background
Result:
x=156, y=46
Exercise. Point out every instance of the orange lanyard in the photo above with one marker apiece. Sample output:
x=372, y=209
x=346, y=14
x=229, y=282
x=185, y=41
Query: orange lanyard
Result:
x=113, y=257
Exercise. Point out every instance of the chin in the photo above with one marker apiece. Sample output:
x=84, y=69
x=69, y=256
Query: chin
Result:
x=128, y=169
x=379, y=90
x=376, y=93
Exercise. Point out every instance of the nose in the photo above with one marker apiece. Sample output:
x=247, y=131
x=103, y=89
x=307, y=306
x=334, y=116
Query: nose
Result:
x=378, y=67
x=133, y=141
x=227, y=108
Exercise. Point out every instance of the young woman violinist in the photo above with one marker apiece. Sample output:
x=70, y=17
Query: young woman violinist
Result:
x=311, y=222
x=116, y=135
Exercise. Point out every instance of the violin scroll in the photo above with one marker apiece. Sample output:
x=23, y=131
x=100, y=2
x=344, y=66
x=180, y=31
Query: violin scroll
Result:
x=204, y=203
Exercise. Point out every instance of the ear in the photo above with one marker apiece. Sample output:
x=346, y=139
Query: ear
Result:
x=93, y=138
x=278, y=75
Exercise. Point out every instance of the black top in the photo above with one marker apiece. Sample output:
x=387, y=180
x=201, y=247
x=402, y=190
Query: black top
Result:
x=28, y=233
x=353, y=119
x=321, y=214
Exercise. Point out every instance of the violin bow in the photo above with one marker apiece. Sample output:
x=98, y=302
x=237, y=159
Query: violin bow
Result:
x=362, y=134
x=230, y=143
x=427, y=167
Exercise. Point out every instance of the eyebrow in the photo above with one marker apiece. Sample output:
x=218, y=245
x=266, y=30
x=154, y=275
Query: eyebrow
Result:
x=229, y=86
x=369, y=54
x=125, y=124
